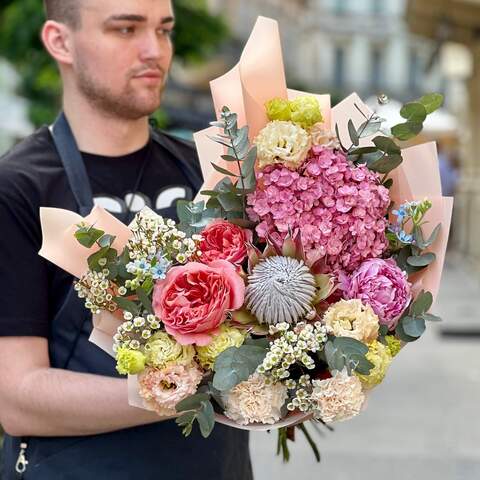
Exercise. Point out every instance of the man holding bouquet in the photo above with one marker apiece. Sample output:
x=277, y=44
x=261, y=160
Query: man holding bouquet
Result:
x=62, y=404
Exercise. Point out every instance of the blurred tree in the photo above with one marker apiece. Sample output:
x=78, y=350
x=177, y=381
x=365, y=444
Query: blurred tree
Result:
x=197, y=33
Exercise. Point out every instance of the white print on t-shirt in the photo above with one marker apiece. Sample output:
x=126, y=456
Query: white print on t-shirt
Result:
x=165, y=198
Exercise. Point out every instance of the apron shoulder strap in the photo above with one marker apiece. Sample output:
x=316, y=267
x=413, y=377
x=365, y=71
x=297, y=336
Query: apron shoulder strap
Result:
x=73, y=164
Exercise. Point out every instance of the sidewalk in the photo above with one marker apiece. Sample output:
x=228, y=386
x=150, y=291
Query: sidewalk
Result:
x=422, y=423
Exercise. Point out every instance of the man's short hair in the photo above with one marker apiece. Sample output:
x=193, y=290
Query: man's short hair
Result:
x=64, y=11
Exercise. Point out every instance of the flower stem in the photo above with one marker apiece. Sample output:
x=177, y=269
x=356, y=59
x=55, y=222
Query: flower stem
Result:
x=310, y=441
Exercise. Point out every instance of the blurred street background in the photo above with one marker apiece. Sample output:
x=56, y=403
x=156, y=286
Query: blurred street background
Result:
x=423, y=422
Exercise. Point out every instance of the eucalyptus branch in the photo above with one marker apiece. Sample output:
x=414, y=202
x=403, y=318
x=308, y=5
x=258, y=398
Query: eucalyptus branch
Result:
x=360, y=132
x=242, y=179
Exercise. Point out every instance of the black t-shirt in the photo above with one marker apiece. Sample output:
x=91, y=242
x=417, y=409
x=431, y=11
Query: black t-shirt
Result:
x=32, y=176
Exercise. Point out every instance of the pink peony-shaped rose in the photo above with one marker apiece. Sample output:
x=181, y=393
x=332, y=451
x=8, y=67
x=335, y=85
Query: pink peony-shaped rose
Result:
x=193, y=299
x=223, y=240
x=382, y=285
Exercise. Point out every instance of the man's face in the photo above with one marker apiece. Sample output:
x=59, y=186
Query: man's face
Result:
x=122, y=54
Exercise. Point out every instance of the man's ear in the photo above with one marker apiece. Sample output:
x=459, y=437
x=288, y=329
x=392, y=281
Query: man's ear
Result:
x=56, y=38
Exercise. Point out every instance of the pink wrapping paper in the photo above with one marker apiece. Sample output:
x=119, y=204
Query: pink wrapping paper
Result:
x=417, y=178
x=59, y=245
x=345, y=111
x=258, y=77
x=105, y=326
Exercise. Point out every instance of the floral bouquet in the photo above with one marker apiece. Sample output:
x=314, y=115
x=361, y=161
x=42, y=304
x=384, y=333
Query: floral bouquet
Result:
x=310, y=258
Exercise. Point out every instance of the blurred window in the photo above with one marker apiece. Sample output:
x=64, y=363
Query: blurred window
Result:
x=339, y=67
x=378, y=7
x=415, y=71
x=377, y=63
x=341, y=6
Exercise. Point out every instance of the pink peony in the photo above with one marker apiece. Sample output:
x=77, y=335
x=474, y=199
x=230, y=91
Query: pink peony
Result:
x=193, y=299
x=382, y=285
x=338, y=208
x=223, y=240
x=161, y=390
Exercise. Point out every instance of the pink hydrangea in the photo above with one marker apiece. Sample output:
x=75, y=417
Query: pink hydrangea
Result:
x=382, y=285
x=338, y=208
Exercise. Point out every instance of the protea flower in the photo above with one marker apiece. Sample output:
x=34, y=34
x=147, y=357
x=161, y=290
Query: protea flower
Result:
x=281, y=287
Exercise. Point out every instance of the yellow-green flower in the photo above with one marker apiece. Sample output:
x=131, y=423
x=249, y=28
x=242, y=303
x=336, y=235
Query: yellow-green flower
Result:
x=305, y=111
x=380, y=356
x=394, y=345
x=228, y=337
x=278, y=109
x=162, y=350
x=130, y=362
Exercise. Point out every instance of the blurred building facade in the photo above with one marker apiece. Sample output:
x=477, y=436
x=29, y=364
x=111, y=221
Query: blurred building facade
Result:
x=455, y=26
x=342, y=46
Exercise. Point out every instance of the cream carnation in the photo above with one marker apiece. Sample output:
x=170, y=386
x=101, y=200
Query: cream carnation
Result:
x=253, y=401
x=284, y=143
x=350, y=318
x=161, y=390
x=338, y=398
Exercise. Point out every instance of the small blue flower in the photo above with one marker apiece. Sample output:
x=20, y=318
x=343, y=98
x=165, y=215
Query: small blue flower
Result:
x=159, y=271
x=404, y=237
x=400, y=214
x=138, y=267
x=142, y=265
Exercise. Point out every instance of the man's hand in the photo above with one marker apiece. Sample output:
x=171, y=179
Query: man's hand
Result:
x=37, y=400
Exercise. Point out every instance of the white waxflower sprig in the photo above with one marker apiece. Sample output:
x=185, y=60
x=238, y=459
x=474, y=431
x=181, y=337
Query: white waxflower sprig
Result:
x=96, y=289
x=155, y=237
x=293, y=346
x=301, y=394
x=135, y=331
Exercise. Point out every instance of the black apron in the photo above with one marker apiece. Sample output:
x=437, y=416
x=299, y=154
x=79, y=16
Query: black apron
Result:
x=157, y=451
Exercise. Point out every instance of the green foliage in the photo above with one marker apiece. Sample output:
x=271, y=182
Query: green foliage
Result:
x=197, y=32
x=236, y=364
x=196, y=407
x=127, y=305
x=415, y=114
x=230, y=197
x=383, y=157
x=88, y=235
x=197, y=35
x=144, y=300
x=386, y=155
x=413, y=323
x=194, y=216
x=344, y=352
x=20, y=24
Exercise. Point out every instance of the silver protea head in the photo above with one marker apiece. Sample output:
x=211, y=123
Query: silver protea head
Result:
x=280, y=289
